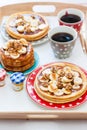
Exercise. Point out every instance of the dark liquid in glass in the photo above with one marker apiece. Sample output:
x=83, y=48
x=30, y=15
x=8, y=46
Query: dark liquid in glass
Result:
x=62, y=37
x=70, y=18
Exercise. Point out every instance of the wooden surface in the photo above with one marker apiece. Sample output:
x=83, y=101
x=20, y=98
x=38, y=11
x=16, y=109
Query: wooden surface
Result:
x=10, y=9
x=43, y=115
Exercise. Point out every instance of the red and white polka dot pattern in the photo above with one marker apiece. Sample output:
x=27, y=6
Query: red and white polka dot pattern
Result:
x=31, y=92
x=2, y=74
x=76, y=26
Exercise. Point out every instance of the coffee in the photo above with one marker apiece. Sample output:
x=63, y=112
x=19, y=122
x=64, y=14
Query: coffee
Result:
x=62, y=37
x=70, y=18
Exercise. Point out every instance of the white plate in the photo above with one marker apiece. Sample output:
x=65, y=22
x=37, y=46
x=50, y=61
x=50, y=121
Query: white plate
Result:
x=6, y=36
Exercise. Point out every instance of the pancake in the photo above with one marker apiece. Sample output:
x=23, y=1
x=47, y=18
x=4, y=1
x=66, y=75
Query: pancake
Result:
x=60, y=83
x=28, y=25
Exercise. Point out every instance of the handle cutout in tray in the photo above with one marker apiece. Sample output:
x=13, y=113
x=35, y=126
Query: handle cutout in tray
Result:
x=42, y=116
x=44, y=8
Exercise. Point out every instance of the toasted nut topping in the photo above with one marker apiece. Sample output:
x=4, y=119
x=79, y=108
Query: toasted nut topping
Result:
x=60, y=81
x=15, y=48
x=69, y=75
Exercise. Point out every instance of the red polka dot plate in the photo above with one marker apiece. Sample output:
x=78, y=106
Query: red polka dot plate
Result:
x=31, y=92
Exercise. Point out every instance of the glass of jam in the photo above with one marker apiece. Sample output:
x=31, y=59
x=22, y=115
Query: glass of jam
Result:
x=71, y=17
x=62, y=40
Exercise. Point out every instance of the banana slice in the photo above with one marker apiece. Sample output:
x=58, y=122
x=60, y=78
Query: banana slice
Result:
x=75, y=74
x=59, y=92
x=18, y=21
x=42, y=26
x=27, y=19
x=59, y=71
x=67, y=69
x=65, y=79
x=30, y=19
x=41, y=79
x=52, y=87
x=23, y=50
x=34, y=23
x=46, y=71
x=12, y=24
x=44, y=88
x=77, y=81
x=6, y=53
x=76, y=87
x=53, y=76
x=33, y=29
x=66, y=91
x=24, y=42
x=20, y=28
x=14, y=55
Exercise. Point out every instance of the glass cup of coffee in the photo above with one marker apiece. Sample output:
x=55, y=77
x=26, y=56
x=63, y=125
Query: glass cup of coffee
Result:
x=62, y=40
x=71, y=17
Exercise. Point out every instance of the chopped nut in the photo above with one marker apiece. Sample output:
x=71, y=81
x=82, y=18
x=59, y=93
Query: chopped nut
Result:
x=19, y=22
x=45, y=84
x=69, y=75
x=61, y=73
x=68, y=86
x=27, y=28
x=14, y=48
x=59, y=85
x=60, y=79
x=33, y=17
x=44, y=78
x=55, y=69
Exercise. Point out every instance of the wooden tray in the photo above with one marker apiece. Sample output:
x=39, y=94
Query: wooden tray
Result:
x=26, y=113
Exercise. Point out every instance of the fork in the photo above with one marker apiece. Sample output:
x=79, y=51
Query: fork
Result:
x=83, y=41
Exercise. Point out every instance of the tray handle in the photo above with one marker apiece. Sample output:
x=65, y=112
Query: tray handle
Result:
x=50, y=8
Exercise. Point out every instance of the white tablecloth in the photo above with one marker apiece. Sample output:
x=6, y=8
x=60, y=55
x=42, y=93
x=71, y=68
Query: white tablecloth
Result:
x=42, y=124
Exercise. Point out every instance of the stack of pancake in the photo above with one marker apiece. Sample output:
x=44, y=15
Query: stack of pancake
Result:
x=17, y=55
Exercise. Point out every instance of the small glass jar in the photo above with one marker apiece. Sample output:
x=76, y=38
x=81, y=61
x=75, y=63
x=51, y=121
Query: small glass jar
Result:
x=17, y=79
x=2, y=77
